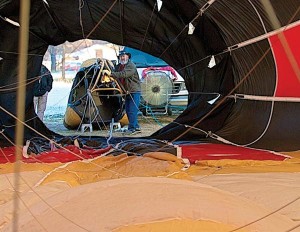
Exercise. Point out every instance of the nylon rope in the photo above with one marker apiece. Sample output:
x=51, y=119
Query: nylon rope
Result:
x=200, y=12
x=97, y=25
x=247, y=42
x=64, y=166
x=17, y=24
x=273, y=102
x=248, y=74
x=267, y=215
x=27, y=185
x=58, y=145
x=121, y=13
x=17, y=53
x=150, y=19
x=18, y=83
x=24, y=204
x=81, y=5
x=235, y=229
x=293, y=228
x=222, y=100
x=58, y=26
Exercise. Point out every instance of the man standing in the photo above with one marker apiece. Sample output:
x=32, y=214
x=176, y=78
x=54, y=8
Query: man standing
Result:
x=41, y=89
x=127, y=75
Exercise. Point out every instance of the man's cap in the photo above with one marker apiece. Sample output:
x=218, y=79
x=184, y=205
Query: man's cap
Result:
x=125, y=53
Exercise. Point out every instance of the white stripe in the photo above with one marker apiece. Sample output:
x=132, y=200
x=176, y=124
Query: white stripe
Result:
x=265, y=36
x=265, y=98
x=12, y=22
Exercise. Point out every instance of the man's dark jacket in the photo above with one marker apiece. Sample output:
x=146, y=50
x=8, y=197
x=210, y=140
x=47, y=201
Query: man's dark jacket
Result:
x=130, y=76
x=44, y=84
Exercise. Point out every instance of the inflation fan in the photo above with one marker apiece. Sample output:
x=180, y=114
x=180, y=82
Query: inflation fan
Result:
x=156, y=89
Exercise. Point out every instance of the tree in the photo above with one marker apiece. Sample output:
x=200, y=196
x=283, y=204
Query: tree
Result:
x=53, y=51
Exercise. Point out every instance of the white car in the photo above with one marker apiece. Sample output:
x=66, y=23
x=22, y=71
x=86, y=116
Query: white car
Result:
x=163, y=89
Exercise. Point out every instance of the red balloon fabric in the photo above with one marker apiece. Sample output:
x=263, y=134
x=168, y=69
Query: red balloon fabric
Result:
x=63, y=155
x=198, y=152
x=192, y=152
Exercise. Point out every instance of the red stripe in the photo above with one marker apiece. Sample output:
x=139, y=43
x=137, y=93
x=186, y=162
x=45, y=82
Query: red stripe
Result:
x=193, y=152
x=69, y=153
x=288, y=83
x=197, y=152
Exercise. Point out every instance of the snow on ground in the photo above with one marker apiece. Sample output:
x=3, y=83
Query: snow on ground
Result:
x=58, y=96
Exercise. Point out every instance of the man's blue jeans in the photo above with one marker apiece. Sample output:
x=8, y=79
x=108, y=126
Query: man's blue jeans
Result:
x=132, y=102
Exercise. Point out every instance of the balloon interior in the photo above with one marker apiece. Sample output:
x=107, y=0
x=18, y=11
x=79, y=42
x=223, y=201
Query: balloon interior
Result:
x=228, y=162
x=249, y=97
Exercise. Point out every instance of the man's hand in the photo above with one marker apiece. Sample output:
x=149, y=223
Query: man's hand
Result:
x=106, y=72
x=106, y=76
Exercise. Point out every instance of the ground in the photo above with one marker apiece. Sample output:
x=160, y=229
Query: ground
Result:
x=149, y=124
x=57, y=104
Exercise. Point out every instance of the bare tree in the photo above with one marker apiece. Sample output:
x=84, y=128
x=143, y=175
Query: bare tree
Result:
x=53, y=50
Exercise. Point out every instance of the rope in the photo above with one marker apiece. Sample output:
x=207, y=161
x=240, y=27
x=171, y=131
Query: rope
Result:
x=23, y=202
x=17, y=193
x=293, y=228
x=221, y=101
x=111, y=171
x=17, y=53
x=200, y=12
x=150, y=19
x=18, y=25
x=58, y=145
x=273, y=212
x=207, y=133
x=92, y=88
x=121, y=13
x=18, y=84
x=152, y=115
x=58, y=26
x=81, y=5
x=241, y=81
x=249, y=42
x=97, y=25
